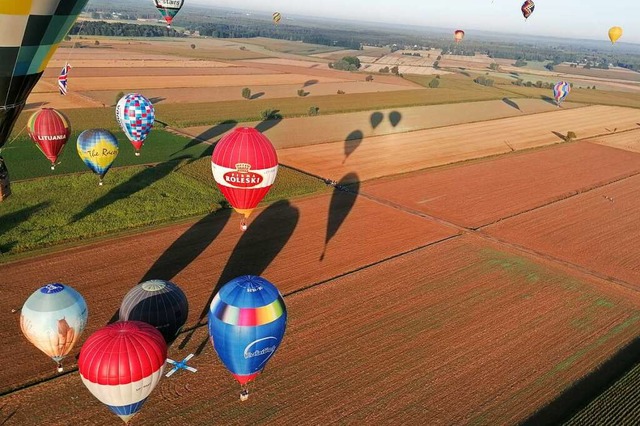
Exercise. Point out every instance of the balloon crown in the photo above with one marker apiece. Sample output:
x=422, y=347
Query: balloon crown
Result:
x=52, y=288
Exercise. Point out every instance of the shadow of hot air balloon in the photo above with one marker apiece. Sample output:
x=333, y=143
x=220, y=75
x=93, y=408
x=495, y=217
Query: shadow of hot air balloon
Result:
x=342, y=202
x=310, y=83
x=395, y=117
x=548, y=100
x=511, y=103
x=257, y=248
x=213, y=132
x=269, y=123
x=376, y=118
x=351, y=143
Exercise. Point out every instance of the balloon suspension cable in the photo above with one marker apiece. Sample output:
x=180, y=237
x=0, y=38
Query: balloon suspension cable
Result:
x=243, y=224
x=60, y=368
x=66, y=62
x=244, y=393
x=14, y=139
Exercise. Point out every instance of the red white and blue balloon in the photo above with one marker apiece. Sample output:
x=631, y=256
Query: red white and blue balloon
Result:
x=135, y=115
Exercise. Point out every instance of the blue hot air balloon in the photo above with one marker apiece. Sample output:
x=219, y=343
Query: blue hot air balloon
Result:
x=247, y=320
x=135, y=115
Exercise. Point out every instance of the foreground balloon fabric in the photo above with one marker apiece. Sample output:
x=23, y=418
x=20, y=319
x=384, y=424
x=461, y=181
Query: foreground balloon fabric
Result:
x=247, y=321
x=614, y=34
x=121, y=364
x=560, y=91
x=30, y=32
x=161, y=304
x=527, y=8
x=53, y=319
x=168, y=9
x=50, y=130
x=135, y=115
x=98, y=148
x=244, y=165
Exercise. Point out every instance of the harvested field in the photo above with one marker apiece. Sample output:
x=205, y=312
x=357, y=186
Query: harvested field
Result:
x=285, y=46
x=473, y=62
x=597, y=230
x=585, y=96
x=199, y=259
x=611, y=74
x=141, y=70
x=477, y=335
x=129, y=63
x=291, y=62
x=303, y=131
x=379, y=156
x=629, y=141
x=503, y=187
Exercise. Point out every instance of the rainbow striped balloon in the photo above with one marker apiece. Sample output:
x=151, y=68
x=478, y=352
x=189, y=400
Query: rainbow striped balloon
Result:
x=560, y=91
x=247, y=321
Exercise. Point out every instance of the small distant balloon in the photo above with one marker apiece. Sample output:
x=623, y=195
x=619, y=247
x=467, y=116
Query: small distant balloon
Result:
x=135, y=115
x=53, y=319
x=527, y=8
x=458, y=35
x=98, y=148
x=50, y=130
x=168, y=9
x=560, y=91
x=277, y=17
x=614, y=34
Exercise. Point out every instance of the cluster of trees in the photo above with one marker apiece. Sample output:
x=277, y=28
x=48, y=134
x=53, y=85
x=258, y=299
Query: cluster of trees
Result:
x=348, y=63
x=118, y=29
x=387, y=70
x=483, y=81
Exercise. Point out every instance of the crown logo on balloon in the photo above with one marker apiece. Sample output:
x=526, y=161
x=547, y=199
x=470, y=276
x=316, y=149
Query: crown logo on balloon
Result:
x=243, y=167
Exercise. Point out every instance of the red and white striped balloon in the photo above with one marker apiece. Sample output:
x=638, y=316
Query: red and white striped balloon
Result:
x=244, y=165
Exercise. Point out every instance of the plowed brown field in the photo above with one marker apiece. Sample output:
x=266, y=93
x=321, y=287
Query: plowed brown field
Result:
x=104, y=272
x=457, y=333
x=597, y=230
x=475, y=195
x=629, y=141
x=400, y=153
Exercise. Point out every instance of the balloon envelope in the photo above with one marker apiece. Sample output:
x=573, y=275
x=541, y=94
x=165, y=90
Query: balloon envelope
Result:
x=53, y=319
x=30, y=32
x=458, y=35
x=247, y=321
x=244, y=165
x=98, y=148
x=161, y=304
x=560, y=91
x=135, y=115
x=168, y=9
x=614, y=34
x=50, y=130
x=527, y=8
x=121, y=364
x=277, y=17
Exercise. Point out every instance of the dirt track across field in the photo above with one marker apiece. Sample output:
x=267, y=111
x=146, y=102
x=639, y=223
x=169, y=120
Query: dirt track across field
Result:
x=379, y=156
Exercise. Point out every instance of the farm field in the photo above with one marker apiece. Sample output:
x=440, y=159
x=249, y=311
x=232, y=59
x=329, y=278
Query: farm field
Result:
x=596, y=230
x=480, y=335
x=199, y=254
x=587, y=96
x=509, y=185
x=629, y=141
x=303, y=131
x=372, y=158
x=610, y=74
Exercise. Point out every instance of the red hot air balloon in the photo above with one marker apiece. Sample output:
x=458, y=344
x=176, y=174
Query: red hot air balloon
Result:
x=244, y=165
x=121, y=364
x=458, y=35
x=50, y=130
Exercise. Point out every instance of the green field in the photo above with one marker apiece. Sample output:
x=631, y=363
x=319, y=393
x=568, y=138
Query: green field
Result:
x=585, y=96
x=49, y=211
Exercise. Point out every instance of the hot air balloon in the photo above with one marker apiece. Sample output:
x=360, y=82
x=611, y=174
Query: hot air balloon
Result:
x=527, y=8
x=135, y=115
x=98, y=148
x=244, y=165
x=50, y=130
x=277, y=17
x=247, y=321
x=614, y=34
x=169, y=9
x=31, y=31
x=121, y=364
x=159, y=303
x=560, y=91
x=53, y=319
x=458, y=35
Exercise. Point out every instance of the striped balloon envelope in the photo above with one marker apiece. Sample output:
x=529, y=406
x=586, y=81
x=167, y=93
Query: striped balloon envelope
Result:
x=168, y=9
x=53, y=319
x=527, y=8
x=135, y=115
x=244, y=165
x=98, y=148
x=121, y=364
x=247, y=321
x=277, y=16
x=50, y=130
x=560, y=91
x=161, y=304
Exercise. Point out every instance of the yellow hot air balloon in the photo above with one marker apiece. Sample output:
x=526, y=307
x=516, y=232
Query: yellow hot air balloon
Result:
x=614, y=34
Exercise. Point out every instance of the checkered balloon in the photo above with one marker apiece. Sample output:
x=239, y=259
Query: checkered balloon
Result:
x=135, y=115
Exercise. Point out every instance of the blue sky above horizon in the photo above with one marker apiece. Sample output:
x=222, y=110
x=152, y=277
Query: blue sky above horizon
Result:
x=589, y=19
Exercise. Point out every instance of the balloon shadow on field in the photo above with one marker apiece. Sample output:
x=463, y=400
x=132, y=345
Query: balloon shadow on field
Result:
x=211, y=133
x=258, y=246
x=265, y=125
x=511, y=103
x=157, y=100
x=135, y=184
x=342, y=202
x=376, y=118
x=560, y=135
x=12, y=220
x=309, y=83
x=257, y=95
x=351, y=143
x=395, y=118
x=549, y=100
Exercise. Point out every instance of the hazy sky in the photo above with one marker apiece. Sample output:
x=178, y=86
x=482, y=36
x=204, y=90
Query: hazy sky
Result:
x=564, y=18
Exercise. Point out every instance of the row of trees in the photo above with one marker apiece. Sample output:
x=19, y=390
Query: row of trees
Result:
x=119, y=29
